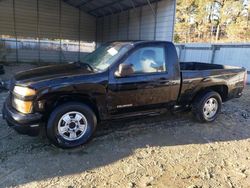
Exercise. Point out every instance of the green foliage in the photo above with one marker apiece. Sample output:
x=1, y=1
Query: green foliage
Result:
x=212, y=21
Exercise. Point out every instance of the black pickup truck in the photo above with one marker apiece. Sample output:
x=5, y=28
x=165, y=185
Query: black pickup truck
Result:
x=118, y=80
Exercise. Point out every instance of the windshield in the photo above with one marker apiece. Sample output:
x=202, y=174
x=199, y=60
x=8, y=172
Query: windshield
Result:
x=106, y=55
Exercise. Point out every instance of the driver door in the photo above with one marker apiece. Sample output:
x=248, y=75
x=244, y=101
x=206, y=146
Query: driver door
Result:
x=146, y=87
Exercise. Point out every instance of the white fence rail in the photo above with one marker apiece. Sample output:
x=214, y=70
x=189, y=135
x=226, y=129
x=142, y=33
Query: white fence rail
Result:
x=225, y=54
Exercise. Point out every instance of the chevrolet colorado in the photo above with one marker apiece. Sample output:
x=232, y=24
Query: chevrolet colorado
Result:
x=118, y=80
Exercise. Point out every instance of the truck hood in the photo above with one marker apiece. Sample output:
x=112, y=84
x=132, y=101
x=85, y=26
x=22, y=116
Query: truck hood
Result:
x=51, y=72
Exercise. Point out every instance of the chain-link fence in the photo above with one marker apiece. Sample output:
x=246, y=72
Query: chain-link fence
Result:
x=47, y=51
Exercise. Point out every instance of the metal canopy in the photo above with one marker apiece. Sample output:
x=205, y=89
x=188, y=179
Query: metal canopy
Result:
x=100, y=8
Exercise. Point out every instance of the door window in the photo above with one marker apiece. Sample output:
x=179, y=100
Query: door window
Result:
x=147, y=60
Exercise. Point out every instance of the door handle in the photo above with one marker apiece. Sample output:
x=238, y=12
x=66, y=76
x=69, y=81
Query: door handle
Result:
x=162, y=82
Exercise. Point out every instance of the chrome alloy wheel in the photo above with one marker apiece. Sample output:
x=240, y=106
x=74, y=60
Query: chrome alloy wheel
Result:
x=72, y=126
x=210, y=108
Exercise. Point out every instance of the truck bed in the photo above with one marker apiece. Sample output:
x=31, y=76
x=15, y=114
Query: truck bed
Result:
x=196, y=75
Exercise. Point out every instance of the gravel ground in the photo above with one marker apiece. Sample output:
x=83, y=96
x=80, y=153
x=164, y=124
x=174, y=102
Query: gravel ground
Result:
x=163, y=151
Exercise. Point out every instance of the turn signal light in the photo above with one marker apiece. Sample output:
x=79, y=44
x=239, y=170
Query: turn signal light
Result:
x=24, y=107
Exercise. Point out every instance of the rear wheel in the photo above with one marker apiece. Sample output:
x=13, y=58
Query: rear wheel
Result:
x=207, y=106
x=71, y=125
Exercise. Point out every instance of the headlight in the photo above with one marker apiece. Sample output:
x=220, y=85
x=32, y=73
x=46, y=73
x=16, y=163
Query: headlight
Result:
x=22, y=106
x=24, y=91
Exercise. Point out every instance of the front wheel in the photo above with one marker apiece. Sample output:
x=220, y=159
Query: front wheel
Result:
x=207, y=106
x=71, y=125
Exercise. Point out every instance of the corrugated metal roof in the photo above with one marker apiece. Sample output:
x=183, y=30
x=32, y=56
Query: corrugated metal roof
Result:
x=102, y=8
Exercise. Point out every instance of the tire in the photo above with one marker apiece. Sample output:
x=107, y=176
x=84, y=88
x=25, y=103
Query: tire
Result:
x=71, y=125
x=207, y=106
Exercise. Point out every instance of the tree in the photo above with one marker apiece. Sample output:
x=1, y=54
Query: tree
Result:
x=212, y=21
x=184, y=16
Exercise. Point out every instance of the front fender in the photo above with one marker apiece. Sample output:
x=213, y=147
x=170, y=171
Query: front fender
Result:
x=93, y=95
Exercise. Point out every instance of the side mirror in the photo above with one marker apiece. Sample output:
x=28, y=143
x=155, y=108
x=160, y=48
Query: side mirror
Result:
x=124, y=70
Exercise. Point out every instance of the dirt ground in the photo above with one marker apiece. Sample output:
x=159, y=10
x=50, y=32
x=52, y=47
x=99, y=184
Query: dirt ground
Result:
x=163, y=151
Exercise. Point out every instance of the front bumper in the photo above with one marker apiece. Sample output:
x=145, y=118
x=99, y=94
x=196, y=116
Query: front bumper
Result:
x=28, y=124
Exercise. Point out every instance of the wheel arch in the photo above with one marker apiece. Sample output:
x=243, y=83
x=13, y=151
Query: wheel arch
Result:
x=56, y=101
x=221, y=89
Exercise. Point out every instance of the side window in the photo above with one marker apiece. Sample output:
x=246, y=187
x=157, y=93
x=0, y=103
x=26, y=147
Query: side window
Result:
x=147, y=60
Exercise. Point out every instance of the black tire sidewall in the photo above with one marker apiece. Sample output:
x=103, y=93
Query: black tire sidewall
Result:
x=199, y=106
x=52, y=127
